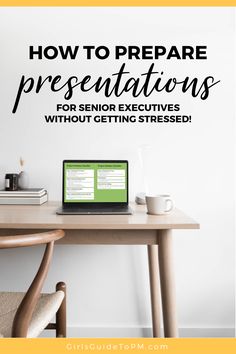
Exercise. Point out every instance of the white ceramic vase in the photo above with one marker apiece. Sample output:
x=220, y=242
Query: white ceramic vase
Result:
x=23, y=180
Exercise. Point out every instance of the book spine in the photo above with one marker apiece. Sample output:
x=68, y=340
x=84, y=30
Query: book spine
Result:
x=24, y=201
x=18, y=194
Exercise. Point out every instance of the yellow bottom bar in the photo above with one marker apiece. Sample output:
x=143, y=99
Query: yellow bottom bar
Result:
x=119, y=345
x=117, y=3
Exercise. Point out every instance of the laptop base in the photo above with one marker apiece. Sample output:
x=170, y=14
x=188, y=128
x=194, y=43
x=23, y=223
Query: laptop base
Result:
x=94, y=211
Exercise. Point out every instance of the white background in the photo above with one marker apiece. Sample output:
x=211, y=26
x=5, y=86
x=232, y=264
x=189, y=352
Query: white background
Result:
x=108, y=286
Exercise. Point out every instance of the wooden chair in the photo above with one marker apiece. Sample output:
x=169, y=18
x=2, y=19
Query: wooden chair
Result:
x=28, y=314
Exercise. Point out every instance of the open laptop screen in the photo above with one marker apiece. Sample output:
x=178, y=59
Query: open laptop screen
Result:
x=95, y=182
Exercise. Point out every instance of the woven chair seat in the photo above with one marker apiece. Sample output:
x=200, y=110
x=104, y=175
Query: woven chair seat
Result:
x=45, y=310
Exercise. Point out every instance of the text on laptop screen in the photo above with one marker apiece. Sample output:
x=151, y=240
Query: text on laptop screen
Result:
x=95, y=182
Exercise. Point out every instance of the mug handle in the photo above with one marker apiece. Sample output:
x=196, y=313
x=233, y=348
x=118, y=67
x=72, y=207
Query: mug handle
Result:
x=171, y=205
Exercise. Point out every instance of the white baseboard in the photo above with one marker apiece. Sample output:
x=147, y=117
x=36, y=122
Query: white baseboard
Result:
x=141, y=332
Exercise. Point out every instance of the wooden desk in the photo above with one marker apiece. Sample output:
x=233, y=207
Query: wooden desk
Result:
x=136, y=229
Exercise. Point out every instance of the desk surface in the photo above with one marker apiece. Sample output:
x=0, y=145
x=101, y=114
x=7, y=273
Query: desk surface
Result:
x=45, y=217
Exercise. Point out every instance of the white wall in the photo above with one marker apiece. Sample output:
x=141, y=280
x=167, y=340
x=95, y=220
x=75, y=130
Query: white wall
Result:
x=108, y=286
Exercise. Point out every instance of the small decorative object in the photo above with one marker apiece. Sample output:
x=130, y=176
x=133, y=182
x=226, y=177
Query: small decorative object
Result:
x=23, y=181
x=11, y=181
x=140, y=198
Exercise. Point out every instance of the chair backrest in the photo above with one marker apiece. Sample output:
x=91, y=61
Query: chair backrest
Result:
x=25, y=311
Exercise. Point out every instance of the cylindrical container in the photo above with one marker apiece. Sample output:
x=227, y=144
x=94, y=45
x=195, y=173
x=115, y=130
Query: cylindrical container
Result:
x=11, y=182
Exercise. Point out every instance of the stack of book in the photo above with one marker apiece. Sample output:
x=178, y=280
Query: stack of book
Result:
x=30, y=196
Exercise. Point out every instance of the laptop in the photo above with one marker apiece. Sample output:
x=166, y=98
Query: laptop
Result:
x=97, y=187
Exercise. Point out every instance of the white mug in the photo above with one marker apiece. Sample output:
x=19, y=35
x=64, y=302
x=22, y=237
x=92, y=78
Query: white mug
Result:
x=158, y=204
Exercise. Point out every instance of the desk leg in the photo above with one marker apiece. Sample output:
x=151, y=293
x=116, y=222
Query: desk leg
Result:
x=154, y=289
x=167, y=283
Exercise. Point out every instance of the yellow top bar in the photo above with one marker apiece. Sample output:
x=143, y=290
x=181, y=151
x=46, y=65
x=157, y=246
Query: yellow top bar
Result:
x=117, y=3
